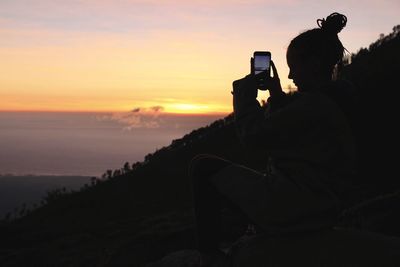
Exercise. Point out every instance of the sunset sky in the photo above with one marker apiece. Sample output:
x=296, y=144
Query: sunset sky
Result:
x=178, y=55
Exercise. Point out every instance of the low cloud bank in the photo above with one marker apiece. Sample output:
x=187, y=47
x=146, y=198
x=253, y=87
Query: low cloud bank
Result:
x=136, y=118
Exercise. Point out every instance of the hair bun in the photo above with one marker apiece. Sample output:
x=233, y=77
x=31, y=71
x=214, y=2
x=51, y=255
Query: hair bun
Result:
x=333, y=24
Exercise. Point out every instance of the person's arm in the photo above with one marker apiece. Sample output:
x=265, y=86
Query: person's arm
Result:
x=276, y=129
x=245, y=93
x=245, y=97
x=247, y=109
x=280, y=127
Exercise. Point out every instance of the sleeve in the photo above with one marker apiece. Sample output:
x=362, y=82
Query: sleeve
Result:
x=280, y=126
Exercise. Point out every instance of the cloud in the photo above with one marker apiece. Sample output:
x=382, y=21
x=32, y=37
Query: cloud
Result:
x=157, y=109
x=136, y=118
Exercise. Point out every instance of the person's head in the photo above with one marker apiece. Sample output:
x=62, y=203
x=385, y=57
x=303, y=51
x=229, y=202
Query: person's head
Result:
x=312, y=55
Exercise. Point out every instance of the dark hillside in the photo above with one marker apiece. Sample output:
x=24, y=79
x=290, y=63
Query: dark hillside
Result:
x=375, y=73
x=142, y=205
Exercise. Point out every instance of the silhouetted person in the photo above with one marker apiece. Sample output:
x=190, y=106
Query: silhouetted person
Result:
x=308, y=138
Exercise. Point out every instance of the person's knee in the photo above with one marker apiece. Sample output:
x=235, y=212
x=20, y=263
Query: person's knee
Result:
x=203, y=165
x=196, y=164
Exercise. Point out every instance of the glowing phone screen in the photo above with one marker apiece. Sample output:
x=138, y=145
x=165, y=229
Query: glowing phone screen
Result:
x=261, y=63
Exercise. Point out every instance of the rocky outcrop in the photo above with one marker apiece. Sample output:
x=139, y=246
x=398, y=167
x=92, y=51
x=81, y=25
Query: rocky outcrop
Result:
x=335, y=247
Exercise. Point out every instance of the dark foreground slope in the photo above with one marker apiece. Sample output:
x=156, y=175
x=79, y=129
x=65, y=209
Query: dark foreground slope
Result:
x=143, y=214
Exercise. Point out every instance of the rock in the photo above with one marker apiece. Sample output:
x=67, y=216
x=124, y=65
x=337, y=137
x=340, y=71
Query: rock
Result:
x=337, y=247
x=182, y=258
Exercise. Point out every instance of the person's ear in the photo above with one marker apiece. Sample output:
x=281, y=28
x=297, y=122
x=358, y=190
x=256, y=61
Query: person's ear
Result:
x=315, y=62
x=314, y=65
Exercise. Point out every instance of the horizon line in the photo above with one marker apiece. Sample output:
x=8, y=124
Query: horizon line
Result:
x=119, y=111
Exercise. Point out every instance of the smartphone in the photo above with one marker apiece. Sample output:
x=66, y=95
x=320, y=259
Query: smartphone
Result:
x=261, y=62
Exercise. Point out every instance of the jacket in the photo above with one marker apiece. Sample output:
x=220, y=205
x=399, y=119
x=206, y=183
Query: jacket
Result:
x=308, y=137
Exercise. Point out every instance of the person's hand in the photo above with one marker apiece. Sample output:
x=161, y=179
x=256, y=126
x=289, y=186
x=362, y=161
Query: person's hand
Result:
x=245, y=87
x=248, y=86
x=272, y=84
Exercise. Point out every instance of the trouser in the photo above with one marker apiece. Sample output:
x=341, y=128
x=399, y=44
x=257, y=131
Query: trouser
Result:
x=273, y=202
x=209, y=201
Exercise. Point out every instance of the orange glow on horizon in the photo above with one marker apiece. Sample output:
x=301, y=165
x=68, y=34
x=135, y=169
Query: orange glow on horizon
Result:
x=165, y=109
x=113, y=72
x=109, y=56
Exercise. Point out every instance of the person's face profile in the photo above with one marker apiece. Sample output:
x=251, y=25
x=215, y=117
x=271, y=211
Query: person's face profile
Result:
x=303, y=69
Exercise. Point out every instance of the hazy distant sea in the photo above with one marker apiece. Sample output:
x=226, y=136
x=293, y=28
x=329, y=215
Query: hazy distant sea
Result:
x=45, y=143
